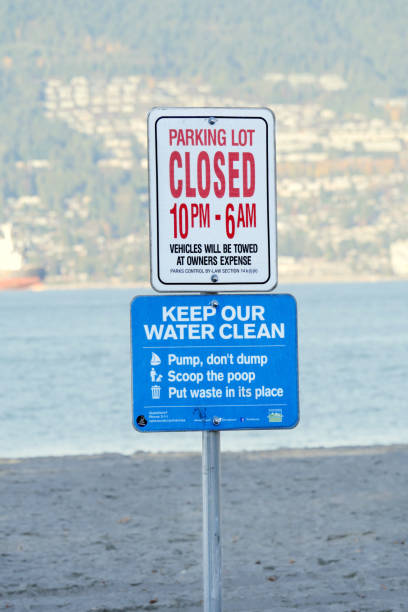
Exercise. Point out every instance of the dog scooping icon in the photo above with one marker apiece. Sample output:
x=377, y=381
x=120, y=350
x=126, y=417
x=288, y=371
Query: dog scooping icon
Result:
x=155, y=377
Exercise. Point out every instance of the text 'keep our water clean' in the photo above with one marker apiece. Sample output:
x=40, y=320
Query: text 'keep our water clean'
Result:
x=196, y=323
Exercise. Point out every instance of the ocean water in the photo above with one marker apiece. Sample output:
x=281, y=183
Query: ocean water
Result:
x=65, y=373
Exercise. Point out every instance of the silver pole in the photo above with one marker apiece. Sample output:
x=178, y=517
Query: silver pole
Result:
x=211, y=522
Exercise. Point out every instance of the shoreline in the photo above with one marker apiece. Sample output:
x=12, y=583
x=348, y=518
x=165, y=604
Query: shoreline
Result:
x=279, y=453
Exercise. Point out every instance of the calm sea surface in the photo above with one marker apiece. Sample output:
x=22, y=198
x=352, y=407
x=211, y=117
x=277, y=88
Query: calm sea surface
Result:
x=65, y=373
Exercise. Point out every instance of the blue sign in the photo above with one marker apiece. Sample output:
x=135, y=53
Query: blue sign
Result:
x=216, y=362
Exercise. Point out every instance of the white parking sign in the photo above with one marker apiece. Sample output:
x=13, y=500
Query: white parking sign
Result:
x=212, y=199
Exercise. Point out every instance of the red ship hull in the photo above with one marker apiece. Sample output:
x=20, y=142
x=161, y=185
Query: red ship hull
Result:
x=19, y=283
x=21, y=279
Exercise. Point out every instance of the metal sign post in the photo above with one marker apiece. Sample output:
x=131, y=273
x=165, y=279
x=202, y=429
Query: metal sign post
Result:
x=210, y=365
x=212, y=563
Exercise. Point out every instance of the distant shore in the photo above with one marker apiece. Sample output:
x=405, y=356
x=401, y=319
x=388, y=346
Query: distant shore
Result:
x=314, y=530
x=283, y=280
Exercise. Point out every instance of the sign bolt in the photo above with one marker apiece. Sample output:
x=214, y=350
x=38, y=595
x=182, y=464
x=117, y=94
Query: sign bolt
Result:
x=216, y=420
x=211, y=120
x=214, y=278
x=214, y=303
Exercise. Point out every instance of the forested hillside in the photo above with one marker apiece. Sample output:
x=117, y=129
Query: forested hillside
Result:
x=77, y=79
x=225, y=43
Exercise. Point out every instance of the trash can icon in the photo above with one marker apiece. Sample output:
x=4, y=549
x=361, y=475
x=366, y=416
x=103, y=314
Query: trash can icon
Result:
x=155, y=391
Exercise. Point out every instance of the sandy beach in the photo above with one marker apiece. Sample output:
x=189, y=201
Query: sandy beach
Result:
x=314, y=530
